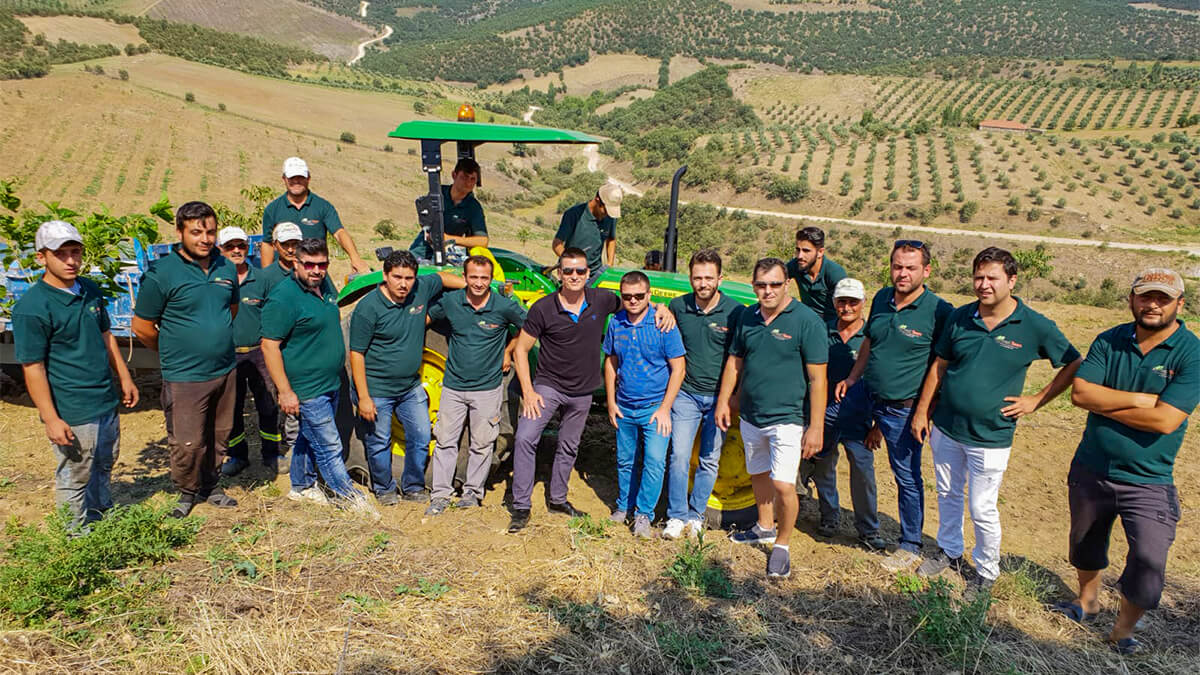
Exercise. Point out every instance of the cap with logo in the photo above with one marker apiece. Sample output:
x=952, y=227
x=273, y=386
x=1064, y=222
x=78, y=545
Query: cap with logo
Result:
x=294, y=166
x=228, y=234
x=611, y=194
x=850, y=288
x=52, y=234
x=1158, y=279
x=286, y=232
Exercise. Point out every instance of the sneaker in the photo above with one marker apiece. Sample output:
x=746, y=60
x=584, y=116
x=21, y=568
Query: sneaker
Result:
x=901, y=560
x=312, y=494
x=416, y=496
x=565, y=508
x=693, y=528
x=827, y=528
x=388, y=499
x=872, y=542
x=940, y=562
x=520, y=519
x=359, y=503
x=437, y=506
x=674, y=529
x=468, y=502
x=779, y=563
x=233, y=466
x=618, y=517
x=641, y=527
x=754, y=535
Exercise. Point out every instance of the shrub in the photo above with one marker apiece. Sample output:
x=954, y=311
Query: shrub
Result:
x=189, y=97
x=387, y=229
x=693, y=569
x=221, y=107
x=348, y=137
x=956, y=629
x=968, y=211
x=123, y=74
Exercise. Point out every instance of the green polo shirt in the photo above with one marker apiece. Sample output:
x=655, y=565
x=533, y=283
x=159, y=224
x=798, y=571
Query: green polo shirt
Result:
x=579, y=229
x=774, y=377
x=1171, y=371
x=706, y=336
x=191, y=308
x=818, y=293
x=391, y=336
x=308, y=326
x=252, y=294
x=902, y=343
x=986, y=366
x=842, y=354
x=477, y=338
x=65, y=332
x=316, y=217
x=464, y=219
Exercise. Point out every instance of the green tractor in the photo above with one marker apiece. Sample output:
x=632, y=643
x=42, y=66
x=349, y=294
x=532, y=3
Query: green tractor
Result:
x=519, y=276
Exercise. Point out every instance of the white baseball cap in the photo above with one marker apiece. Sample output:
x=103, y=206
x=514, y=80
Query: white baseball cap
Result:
x=294, y=166
x=286, y=232
x=231, y=233
x=850, y=288
x=611, y=194
x=52, y=234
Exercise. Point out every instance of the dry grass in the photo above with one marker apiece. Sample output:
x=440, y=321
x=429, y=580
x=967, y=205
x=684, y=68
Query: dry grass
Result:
x=84, y=30
x=604, y=72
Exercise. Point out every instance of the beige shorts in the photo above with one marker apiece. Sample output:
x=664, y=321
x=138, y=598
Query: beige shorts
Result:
x=775, y=449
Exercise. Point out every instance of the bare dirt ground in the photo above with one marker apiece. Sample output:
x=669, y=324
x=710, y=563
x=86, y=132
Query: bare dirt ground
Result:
x=334, y=592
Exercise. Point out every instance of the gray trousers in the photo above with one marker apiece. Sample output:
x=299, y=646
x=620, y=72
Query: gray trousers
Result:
x=529, y=432
x=482, y=410
x=85, y=468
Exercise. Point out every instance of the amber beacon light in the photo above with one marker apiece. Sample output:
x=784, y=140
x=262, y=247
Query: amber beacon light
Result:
x=466, y=113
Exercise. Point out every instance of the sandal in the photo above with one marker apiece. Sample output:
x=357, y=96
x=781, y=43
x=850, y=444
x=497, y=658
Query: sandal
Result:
x=1129, y=646
x=221, y=500
x=1073, y=612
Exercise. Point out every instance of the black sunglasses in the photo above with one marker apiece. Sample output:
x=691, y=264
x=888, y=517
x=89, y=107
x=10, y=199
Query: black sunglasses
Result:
x=579, y=271
x=908, y=243
x=627, y=297
x=762, y=285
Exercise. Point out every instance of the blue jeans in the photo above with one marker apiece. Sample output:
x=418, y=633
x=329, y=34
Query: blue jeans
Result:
x=84, y=471
x=823, y=468
x=904, y=454
x=689, y=414
x=319, y=447
x=412, y=409
x=636, y=431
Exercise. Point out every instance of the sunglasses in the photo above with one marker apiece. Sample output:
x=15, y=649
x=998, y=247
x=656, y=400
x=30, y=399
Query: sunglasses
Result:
x=578, y=271
x=629, y=297
x=236, y=247
x=908, y=243
x=315, y=265
x=763, y=285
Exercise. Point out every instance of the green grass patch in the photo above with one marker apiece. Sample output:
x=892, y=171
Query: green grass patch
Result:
x=694, y=569
x=691, y=652
x=1025, y=583
x=48, y=576
x=430, y=590
x=955, y=629
x=585, y=527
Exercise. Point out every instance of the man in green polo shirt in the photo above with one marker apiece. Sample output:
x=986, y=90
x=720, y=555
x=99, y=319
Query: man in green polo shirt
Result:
x=815, y=273
x=983, y=354
x=1139, y=383
x=252, y=373
x=591, y=227
x=462, y=215
x=68, y=356
x=316, y=217
x=905, y=321
x=185, y=307
x=481, y=324
x=387, y=341
x=778, y=358
x=303, y=348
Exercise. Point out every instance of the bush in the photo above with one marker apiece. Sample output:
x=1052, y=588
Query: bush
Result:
x=693, y=569
x=968, y=211
x=956, y=629
x=221, y=107
x=348, y=137
x=388, y=148
x=387, y=229
x=123, y=74
x=189, y=97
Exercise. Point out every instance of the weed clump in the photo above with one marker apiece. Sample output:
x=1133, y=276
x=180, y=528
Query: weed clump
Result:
x=694, y=569
x=956, y=629
x=48, y=573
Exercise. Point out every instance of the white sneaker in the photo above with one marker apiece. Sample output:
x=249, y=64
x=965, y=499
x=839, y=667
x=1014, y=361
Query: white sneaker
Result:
x=674, y=529
x=693, y=528
x=903, y=559
x=312, y=494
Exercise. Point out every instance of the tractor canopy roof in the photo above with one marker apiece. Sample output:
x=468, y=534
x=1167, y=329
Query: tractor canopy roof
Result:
x=477, y=132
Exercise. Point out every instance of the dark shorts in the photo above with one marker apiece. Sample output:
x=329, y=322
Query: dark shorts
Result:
x=1149, y=514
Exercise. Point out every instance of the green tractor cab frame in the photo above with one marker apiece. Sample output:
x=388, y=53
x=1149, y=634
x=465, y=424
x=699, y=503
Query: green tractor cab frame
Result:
x=467, y=135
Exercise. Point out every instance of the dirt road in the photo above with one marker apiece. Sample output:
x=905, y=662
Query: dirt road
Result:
x=362, y=47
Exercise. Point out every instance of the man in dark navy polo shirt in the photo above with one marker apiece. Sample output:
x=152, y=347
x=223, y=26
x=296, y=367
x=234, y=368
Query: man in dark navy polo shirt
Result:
x=68, y=356
x=316, y=216
x=569, y=325
x=1139, y=383
x=591, y=227
x=463, y=223
x=184, y=310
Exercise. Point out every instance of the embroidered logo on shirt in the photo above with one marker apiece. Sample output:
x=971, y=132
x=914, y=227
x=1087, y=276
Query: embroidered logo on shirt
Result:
x=1006, y=343
x=223, y=282
x=717, y=328
x=416, y=309
x=780, y=335
x=1163, y=372
x=909, y=332
x=488, y=326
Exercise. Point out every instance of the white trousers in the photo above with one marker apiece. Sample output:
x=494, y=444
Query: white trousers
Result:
x=978, y=472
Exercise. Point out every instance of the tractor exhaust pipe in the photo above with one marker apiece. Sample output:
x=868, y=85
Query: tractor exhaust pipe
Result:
x=671, y=238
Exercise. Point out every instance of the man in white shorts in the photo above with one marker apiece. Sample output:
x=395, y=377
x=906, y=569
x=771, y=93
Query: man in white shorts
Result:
x=778, y=355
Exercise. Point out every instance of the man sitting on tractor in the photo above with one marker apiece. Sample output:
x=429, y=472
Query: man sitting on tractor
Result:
x=462, y=215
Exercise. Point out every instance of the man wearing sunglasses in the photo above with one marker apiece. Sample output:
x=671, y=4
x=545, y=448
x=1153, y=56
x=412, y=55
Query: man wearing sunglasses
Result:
x=778, y=357
x=815, y=273
x=252, y=372
x=592, y=228
x=905, y=322
x=642, y=376
x=303, y=348
x=569, y=324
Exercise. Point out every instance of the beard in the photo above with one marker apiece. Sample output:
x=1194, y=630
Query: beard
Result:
x=311, y=284
x=1154, y=324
